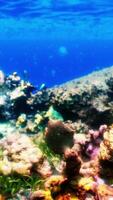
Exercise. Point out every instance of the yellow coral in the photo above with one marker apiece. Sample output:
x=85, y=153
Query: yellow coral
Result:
x=5, y=167
x=105, y=191
x=54, y=182
x=41, y=194
x=86, y=183
x=48, y=195
x=104, y=152
x=38, y=119
x=21, y=120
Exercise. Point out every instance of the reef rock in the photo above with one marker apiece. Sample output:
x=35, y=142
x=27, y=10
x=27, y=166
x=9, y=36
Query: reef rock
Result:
x=89, y=99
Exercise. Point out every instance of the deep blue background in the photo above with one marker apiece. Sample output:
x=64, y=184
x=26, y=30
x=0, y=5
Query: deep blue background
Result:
x=55, y=42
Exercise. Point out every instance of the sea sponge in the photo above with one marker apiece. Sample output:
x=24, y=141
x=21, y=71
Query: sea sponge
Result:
x=59, y=136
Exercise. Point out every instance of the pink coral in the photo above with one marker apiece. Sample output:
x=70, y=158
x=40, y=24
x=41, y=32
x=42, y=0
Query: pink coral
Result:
x=19, y=154
x=93, y=145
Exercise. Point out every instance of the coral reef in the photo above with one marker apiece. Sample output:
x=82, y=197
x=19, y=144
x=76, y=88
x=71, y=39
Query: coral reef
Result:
x=57, y=144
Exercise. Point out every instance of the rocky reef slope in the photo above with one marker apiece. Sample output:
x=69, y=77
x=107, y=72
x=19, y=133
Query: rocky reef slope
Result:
x=89, y=98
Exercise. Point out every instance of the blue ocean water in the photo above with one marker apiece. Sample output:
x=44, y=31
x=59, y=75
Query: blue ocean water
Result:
x=55, y=40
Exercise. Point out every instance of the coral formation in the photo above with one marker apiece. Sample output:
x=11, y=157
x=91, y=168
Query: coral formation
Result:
x=73, y=163
x=18, y=154
x=106, y=146
x=59, y=136
x=56, y=144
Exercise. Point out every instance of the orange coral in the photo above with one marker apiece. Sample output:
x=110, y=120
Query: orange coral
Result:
x=67, y=196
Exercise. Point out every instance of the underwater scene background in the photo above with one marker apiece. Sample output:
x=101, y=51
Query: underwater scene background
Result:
x=56, y=125
x=55, y=40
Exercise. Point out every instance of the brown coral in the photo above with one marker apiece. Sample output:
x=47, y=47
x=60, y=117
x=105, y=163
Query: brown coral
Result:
x=58, y=136
x=73, y=163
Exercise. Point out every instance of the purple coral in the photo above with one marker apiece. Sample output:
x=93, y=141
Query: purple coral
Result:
x=95, y=136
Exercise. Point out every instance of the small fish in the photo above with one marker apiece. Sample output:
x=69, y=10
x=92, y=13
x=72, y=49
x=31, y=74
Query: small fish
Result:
x=42, y=86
